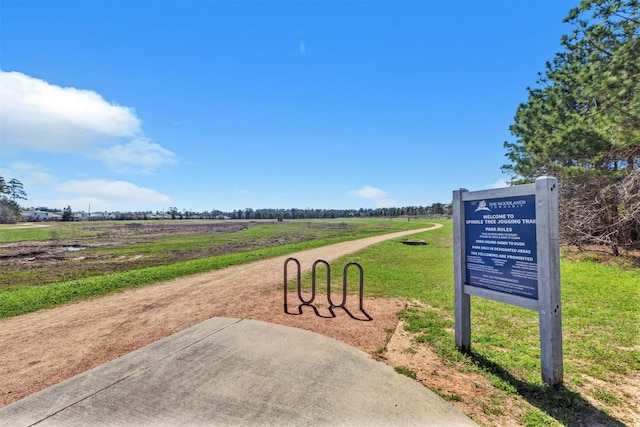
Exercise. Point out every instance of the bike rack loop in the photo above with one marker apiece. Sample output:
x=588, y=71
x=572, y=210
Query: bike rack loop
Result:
x=313, y=279
x=285, y=280
x=361, y=282
x=344, y=287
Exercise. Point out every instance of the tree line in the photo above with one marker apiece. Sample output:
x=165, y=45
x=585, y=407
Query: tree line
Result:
x=581, y=124
x=436, y=209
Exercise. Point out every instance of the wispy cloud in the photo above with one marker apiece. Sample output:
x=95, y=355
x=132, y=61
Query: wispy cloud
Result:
x=30, y=175
x=40, y=116
x=375, y=194
x=138, y=155
x=302, y=47
x=368, y=192
x=43, y=189
x=114, y=192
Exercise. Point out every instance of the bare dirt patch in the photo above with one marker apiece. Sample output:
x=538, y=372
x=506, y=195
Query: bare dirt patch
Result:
x=150, y=229
x=29, y=225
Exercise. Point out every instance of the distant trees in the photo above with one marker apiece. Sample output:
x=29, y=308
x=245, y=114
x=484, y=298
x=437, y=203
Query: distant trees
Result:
x=173, y=211
x=436, y=210
x=309, y=213
x=10, y=211
x=582, y=125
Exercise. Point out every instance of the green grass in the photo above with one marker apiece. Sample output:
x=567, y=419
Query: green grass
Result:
x=405, y=371
x=53, y=231
x=393, y=269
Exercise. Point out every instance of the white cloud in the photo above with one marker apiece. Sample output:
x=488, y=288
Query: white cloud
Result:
x=44, y=189
x=115, y=193
x=375, y=194
x=302, y=48
x=368, y=192
x=46, y=117
x=40, y=116
x=139, y=155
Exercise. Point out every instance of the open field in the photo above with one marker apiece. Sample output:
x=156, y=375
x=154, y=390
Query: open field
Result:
x=409, y=293
x=40, y=254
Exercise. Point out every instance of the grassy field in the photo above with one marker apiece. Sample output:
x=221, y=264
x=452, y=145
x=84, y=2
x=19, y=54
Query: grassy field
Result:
x=37, y=271
x=600, y=305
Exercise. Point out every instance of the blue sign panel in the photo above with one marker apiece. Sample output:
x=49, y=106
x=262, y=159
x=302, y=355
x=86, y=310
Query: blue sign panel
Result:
x=500, y=245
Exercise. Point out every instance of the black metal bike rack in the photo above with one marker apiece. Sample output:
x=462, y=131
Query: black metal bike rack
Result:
x=332, y=305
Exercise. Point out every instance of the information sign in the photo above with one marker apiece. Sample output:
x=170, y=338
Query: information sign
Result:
x=500, y=245
x=506, y=247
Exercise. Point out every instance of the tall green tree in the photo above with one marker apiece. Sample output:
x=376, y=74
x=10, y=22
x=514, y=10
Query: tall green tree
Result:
x=10, y=211
x=582, y=124
x=15, y=189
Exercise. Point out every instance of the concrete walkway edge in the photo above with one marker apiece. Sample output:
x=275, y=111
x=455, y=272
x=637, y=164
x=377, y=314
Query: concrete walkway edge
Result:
x=238, y=372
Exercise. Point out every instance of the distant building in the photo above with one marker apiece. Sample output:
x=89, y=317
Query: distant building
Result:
x=32, y=216
x=97, y=216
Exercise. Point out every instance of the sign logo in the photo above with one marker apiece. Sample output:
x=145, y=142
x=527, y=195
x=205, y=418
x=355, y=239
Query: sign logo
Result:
x=482, y=206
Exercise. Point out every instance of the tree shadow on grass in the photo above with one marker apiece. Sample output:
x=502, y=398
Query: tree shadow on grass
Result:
x=560, y=403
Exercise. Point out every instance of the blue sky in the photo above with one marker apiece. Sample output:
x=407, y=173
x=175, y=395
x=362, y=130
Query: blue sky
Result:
x=201, y=105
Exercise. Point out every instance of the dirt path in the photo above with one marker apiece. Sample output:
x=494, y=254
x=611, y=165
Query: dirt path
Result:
x=40, y=349
x=28, y=225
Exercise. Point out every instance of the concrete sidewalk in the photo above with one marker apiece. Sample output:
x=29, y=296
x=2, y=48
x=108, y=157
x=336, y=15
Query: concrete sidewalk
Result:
x=234, y=372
